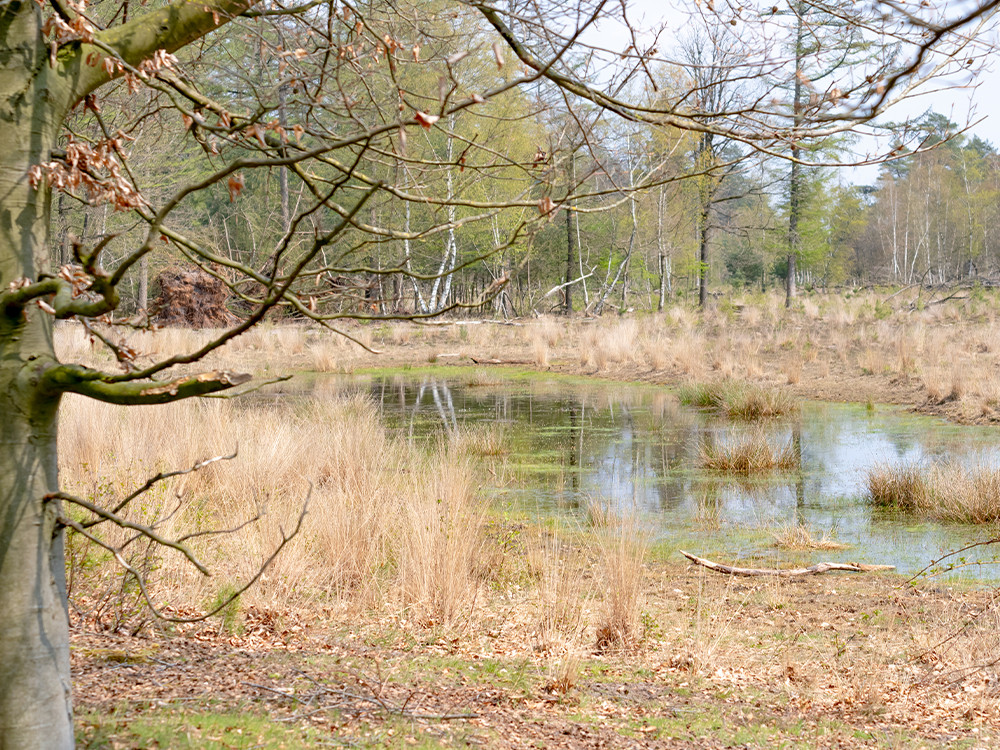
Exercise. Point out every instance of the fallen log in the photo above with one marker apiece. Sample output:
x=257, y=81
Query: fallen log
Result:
x=822, y=567
x=502, y=361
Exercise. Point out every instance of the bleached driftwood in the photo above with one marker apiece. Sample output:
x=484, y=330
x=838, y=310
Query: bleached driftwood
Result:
x=502, y=361
x=822, y=567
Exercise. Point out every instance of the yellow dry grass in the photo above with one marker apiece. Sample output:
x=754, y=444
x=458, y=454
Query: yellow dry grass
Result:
x=748, y=454
x=385, y=522
x=946, y=491
x=795, y=536
x=864, y=345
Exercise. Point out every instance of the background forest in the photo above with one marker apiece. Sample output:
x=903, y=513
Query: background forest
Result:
x=632, y=214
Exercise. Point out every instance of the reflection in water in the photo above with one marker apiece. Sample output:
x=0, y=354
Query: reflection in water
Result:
x=636, y=451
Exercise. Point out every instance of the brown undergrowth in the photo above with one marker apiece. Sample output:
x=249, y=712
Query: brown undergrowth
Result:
x=826, y=662
x=878, y=346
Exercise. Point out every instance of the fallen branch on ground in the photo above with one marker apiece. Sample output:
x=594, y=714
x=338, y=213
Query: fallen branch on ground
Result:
x=501, y=361
x=822, y=567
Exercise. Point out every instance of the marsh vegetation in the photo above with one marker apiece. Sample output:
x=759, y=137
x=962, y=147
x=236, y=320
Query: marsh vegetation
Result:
x=463, y=535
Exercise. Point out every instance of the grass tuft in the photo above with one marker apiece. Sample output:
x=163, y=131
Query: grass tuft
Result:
x=945, y=491
x=622, y=552
x=798, y=537
x=899, y=486
x=737, y=400
x=751, y=453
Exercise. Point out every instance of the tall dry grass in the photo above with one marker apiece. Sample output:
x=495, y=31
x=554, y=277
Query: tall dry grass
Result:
x=738, y=399
x=748, y=454
x=623, y=547
x=387, y=525
x=945, y=491
x=564, y=593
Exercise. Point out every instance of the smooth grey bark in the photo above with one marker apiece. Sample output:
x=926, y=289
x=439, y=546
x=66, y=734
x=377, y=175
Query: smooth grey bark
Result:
x=663, y=258
x=286, y=217
x=569, y=237
x=143, y=285
x=709, y=185
x=35, y=690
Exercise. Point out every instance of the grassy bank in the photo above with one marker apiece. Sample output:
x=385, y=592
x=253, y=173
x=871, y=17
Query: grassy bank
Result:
x=410, y=612
x=877, y=346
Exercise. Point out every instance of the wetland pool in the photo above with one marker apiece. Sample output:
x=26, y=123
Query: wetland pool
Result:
x=633, y=450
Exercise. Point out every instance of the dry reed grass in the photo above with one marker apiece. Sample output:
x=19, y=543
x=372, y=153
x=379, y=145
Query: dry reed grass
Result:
x=386, y=524
x=944, y=491
x=795, y=536
x=738, y=400
x=688, y=352
x=748, y=454
x=543, y=335
x=563, y=593
x=899, y=486
x=482, y=378
x=623, y=549
x=564, y=673
x=951, y=347
x=793, y=371
x=657, y=352
x=482, y=440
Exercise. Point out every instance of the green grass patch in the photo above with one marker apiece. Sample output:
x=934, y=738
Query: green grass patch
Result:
x=180, y=728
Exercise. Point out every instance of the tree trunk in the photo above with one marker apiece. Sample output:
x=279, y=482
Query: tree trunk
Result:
x=569, y=261
x=35, y=697
x=35, y=688
x=795, y=173
x=703, y=259
x=286, y=217
x=143, y=302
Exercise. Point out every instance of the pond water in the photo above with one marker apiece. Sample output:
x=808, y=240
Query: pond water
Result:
x=635, y=450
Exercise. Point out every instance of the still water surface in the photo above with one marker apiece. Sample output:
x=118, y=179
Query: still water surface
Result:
x=635, y=450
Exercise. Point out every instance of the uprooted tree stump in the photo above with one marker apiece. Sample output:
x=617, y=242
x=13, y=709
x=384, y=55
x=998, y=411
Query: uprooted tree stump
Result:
x=191, y=298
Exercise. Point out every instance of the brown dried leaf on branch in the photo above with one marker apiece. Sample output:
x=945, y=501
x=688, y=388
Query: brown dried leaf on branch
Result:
x=96, y=169
x=235, y=185
x=426, y=120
